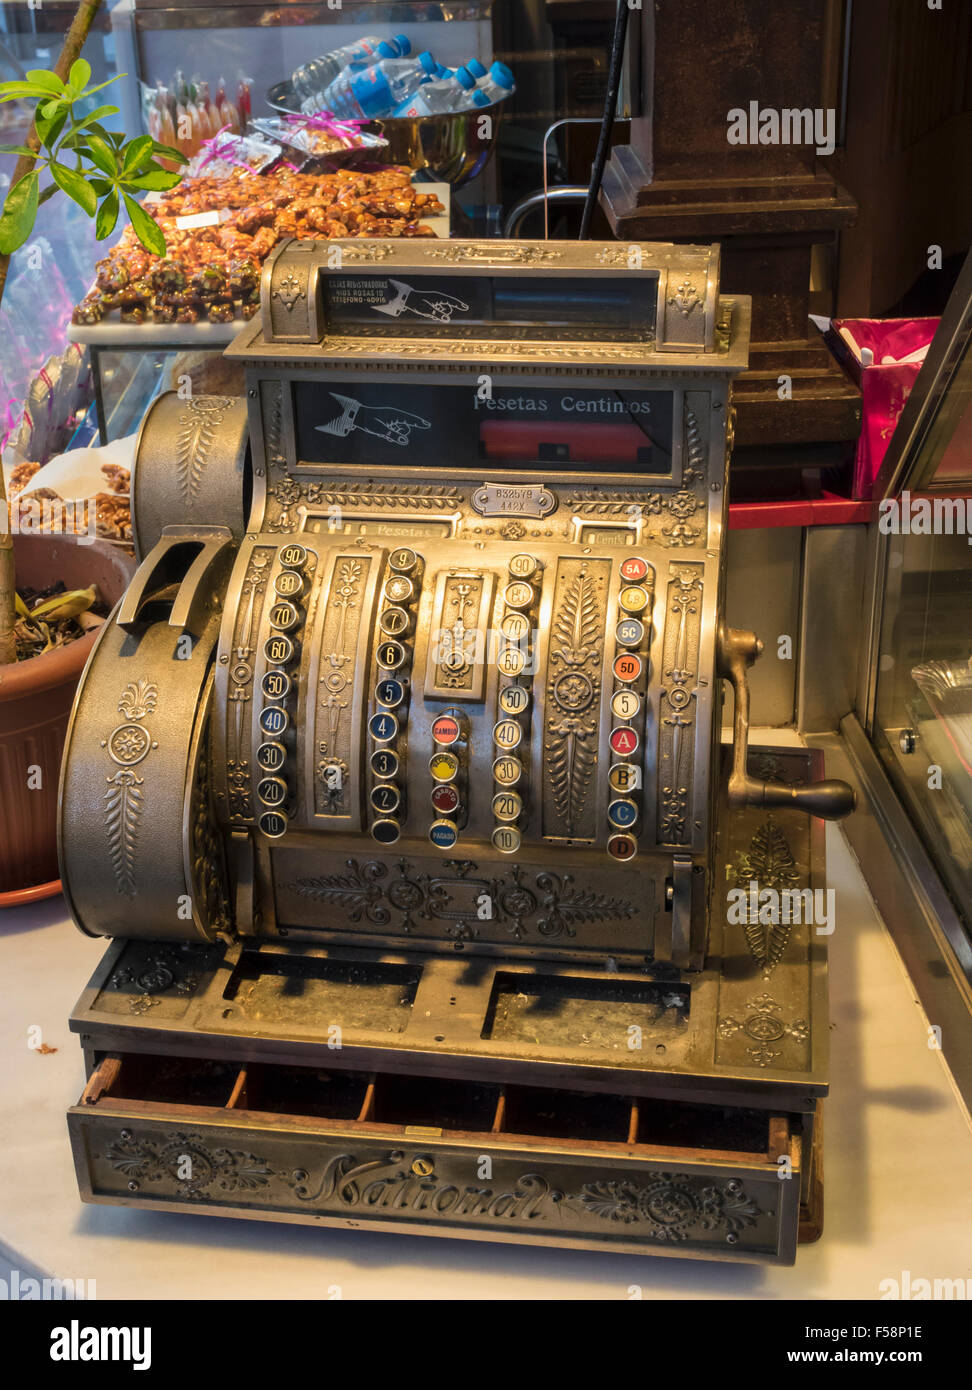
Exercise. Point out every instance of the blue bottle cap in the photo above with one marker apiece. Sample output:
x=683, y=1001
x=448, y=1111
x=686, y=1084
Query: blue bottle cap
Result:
x=428, y=62
x=404, y=45
x=465, y=79
x=475, y=67
x=481, y=99
x=501, y=75
x=387, y=50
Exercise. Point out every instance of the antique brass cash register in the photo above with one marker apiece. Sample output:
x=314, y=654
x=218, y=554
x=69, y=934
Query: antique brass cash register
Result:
x=397, y=777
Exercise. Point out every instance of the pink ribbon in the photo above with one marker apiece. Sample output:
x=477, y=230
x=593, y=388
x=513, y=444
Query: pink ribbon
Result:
x=215, y=149
x=345, y=131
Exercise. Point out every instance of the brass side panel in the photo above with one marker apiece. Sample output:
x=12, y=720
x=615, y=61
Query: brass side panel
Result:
x=461, y=616
x=679, y=679
x=243, y=616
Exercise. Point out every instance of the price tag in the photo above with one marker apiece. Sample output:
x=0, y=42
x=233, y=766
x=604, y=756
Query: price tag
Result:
x=191, y=221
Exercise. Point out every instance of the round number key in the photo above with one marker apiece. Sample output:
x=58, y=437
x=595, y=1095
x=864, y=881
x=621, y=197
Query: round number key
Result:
x=384, y=762
x=507, y=805
x=507, y=734
x=622, y=846
x=444, y=766
x=386, y=831
x=393, y=622
x=624, y=742
x=624, y=778
x=273, y=791
x=383, y=727
x=274, y=824
x=507, y=771
x=633, y=600
x=399, y=589
x=519, y=594
x=293, y=556
x=445, y=799
x=511, y=661
x=386, y=797
x=506, y=838
x=622, y=813
x=634, y=569
x=514, y=699
x=524, y=566
x=515, y=626
x=403, y=559
x=271, y=756
x=625, y=704
x=390, y=692
x=274, y=721
x=278, y=649
x=289, y=583
x=391, y=655
x=443, y=833
x=630, y=632
x=446, y=730
x=276, y=685
x=284, y=615
x=628, y=667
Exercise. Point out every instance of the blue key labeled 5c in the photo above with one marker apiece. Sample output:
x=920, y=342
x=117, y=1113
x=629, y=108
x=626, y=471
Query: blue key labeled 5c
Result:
x=383, y=727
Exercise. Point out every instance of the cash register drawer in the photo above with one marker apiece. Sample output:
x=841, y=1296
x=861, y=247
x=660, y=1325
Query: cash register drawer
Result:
x=435, y=1156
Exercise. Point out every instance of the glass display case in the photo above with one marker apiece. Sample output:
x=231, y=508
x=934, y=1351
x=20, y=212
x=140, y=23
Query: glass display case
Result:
x=919, y=681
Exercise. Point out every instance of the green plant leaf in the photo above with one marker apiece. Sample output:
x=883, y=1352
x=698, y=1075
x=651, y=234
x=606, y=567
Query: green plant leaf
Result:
x=19, y=212
x=101, y=85
x=80, y=74
x=168, y=152
x=49, y=130
x=75, y=186
x=49, y=192
x=156, y=180
x=107, y=216
x=102, y=155
x=90, y=118
x=101, y=186
x=19, y=149
x=147, y=230
x=135, y=152
x=51, y=108
x=49, y=81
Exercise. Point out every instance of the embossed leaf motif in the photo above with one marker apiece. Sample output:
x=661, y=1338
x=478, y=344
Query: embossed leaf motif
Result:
x=571, y=746
x=123, y=807
x=138, y=699
x=358, y=892
x=197, y=431
x=770, y=864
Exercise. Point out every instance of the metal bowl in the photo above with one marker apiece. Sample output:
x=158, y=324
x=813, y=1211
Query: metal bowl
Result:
x=447, y=148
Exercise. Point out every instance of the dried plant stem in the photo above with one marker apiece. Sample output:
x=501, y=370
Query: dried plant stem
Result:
x=73, y=44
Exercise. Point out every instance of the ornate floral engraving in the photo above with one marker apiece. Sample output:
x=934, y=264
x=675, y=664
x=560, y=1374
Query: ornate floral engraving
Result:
x=241, y=680
x=198, y=428
x=339, y=639
x=770, y=864
x=765, y=1025
x=157, y=972
x=693, y=470
x=272, y=393
x=556, y=905
x=512, y=253
x=409, y=496
x=291, y=289
x=188, y=1162
x=672, y=1206
x=682, y=629
x=127, y=745
x=573, y=688
x=686, y=296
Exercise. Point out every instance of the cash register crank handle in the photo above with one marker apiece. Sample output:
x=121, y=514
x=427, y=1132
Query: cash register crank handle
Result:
x=831, y=800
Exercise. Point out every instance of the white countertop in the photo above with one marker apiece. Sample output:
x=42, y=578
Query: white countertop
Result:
x=897, y=1164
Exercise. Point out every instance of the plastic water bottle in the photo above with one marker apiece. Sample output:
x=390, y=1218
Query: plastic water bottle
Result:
x=311, y=79
x=444, y=95
x=362, y=94
x=498, y=83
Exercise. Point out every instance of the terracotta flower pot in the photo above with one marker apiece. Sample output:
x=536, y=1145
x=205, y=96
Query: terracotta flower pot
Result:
x=35, y=700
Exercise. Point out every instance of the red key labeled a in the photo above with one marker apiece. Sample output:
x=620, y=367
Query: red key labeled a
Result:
x=624, y=742
x=634, y=569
